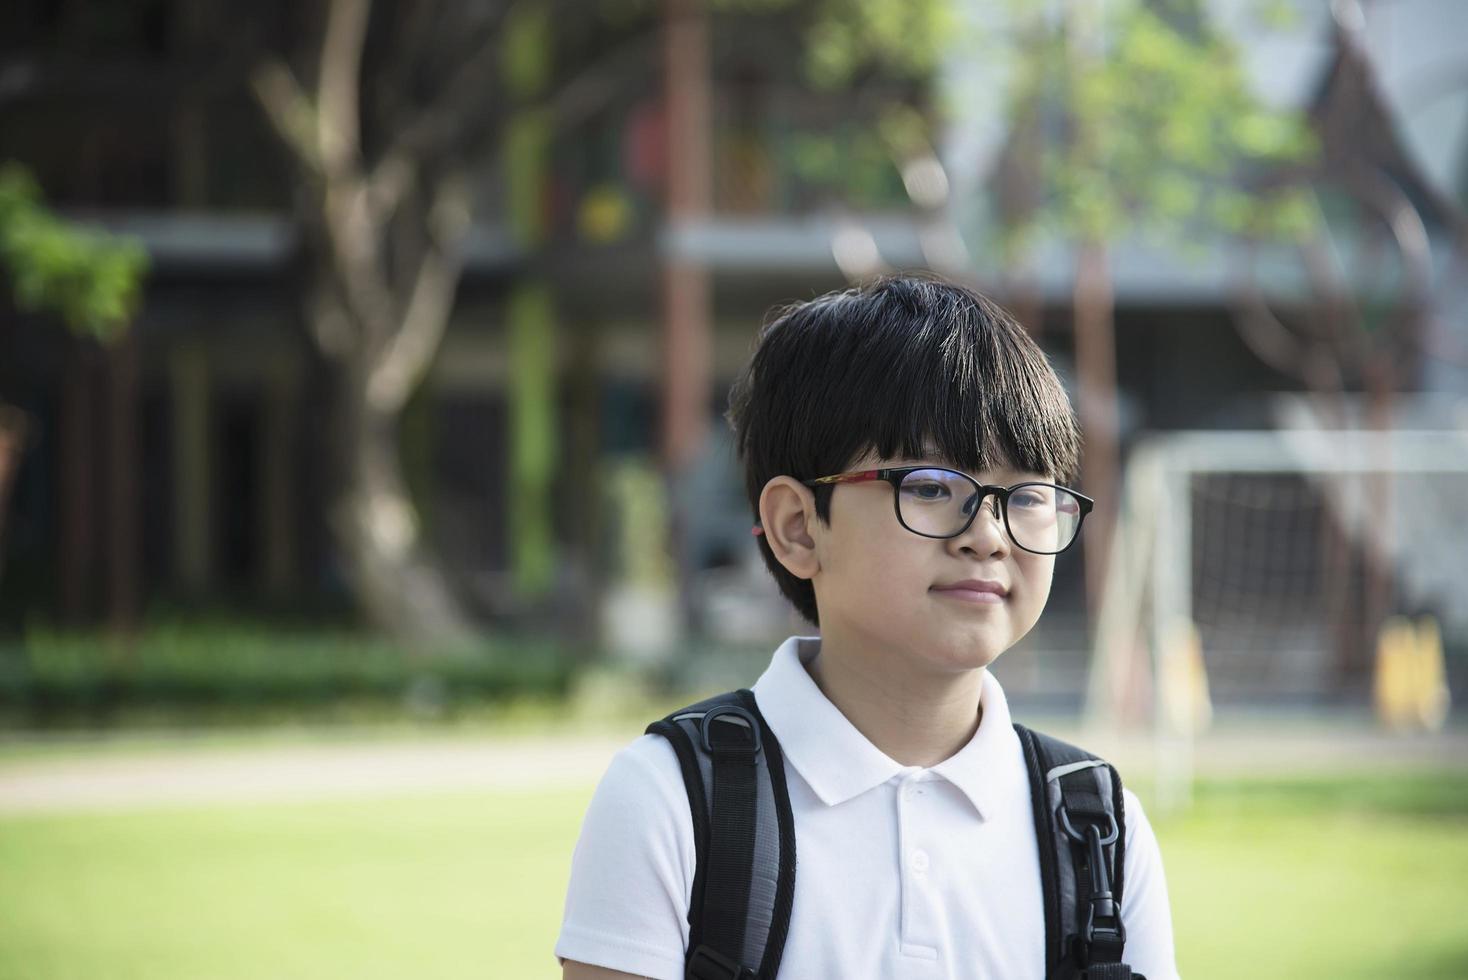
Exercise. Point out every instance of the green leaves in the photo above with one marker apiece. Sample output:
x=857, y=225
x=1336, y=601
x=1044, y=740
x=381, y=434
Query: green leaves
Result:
x=91, y=279
x=903, y=37
x=854, y=161
x=1152, y=126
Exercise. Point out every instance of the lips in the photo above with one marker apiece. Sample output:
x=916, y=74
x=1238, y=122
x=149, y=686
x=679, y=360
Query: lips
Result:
x=974, y=585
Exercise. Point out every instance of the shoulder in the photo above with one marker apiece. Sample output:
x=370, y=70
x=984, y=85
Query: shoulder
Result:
x=641, y=795
x=633, y=866
x=1138, y=826
x=1144, y=906
x=1142, y=852
x=646, y=765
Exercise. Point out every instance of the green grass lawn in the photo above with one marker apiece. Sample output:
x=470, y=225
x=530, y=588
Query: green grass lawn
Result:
x=1323, y=878
x=464, y=885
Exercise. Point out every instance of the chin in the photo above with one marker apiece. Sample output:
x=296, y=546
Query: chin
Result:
x=968, y=656
x=983, y=659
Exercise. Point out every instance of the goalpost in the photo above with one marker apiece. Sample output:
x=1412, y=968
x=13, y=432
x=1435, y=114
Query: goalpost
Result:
x=1245, y=569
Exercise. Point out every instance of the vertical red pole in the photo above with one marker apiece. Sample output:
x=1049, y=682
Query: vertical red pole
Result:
x=687, y=319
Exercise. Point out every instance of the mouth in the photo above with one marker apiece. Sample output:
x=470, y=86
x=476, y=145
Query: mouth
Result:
x=974, y=591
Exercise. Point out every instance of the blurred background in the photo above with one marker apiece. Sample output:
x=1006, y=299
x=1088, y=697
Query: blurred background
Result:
x=364, y=482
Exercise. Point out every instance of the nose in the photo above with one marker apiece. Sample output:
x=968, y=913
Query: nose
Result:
x=985, y=534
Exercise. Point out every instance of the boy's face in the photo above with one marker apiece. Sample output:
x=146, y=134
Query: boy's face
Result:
x=880, y=586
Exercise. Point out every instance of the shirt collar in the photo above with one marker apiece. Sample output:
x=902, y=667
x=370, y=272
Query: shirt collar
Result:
x=987, y=769
x=840, y=763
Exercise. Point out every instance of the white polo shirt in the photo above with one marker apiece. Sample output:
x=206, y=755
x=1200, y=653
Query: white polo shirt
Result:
x=901, y=871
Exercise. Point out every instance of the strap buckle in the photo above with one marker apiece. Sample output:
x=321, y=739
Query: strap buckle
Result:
x=707, y=964
x=1103, y=926
x=737, y=745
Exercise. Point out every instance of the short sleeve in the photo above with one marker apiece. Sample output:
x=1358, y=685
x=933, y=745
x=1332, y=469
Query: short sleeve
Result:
x=632, y=870
x=1144, y=907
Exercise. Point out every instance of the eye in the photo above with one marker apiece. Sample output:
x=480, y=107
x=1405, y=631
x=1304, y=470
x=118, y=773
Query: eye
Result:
x=1029, y=497
x=925, y=490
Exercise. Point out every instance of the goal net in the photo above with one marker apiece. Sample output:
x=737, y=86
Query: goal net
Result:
x=1297, y=570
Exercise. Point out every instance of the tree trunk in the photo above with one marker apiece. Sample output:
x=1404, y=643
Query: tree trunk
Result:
x=385, y=230
x=399, y=585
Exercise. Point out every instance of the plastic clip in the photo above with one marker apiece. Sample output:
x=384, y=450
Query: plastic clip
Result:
x=1103, y=919
x=725, y=745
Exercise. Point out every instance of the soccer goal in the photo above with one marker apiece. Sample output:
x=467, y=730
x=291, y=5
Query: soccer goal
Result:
x=1274, y=569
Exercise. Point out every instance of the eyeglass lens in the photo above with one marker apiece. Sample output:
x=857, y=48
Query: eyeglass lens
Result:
x=938, y=503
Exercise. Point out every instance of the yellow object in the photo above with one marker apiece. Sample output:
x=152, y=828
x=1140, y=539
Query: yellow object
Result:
x=1392, y=683
x=1411, y=688
x=604, y=215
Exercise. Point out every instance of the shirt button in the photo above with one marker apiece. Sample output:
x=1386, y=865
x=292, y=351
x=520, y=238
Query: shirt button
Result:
x=920, y=861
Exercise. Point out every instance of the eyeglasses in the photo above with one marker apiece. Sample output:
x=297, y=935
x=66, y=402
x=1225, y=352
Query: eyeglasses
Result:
x=1042, y=518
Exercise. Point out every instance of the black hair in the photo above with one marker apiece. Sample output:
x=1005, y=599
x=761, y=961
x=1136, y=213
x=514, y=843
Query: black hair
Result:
x=904, y=366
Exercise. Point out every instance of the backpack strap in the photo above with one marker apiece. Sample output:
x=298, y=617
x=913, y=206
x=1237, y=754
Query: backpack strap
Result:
x=1080, y=824
x=743, y=888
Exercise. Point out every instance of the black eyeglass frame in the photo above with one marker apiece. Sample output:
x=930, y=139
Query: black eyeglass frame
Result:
x=895, y=476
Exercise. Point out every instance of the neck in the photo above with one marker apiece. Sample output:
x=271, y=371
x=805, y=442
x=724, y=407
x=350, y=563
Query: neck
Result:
x=914, y=718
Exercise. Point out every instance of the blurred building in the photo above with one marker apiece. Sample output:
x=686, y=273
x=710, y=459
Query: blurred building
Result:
x=128, y=116
x=130, y=119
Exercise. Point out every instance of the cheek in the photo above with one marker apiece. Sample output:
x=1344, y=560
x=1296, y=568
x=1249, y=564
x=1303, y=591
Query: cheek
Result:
x=875, y=579
x=874, y=569
x=1043, y=572
x=866, y=548
x=1037, y=577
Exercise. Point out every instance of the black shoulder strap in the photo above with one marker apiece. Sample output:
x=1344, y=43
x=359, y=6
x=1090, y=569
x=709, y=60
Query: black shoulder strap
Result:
x=743, y=887
x=1080, y=824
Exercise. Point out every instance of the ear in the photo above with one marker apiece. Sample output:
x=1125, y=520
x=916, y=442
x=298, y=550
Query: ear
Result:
x=787, y=512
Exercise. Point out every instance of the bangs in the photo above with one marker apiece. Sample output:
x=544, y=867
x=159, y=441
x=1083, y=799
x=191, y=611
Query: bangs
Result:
x=925, y=370
x=974, y=402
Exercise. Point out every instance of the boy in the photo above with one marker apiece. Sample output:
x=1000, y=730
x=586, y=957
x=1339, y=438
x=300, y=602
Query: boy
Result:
x=903, y=446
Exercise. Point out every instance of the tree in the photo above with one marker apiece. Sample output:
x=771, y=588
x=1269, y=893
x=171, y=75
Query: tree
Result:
x=388, y=115
x=1158, y=132
x=1127, y=117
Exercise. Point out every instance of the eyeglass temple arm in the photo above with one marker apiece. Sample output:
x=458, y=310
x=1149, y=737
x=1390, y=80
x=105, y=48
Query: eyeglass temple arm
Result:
x=858, y=477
